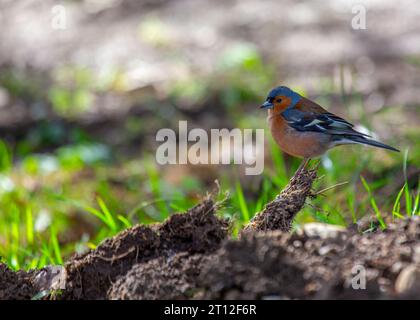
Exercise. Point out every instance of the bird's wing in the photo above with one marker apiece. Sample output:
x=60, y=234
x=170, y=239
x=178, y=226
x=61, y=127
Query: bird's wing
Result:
x=309, y=116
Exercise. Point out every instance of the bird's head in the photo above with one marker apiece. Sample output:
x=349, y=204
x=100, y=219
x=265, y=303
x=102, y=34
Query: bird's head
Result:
x=281, y=98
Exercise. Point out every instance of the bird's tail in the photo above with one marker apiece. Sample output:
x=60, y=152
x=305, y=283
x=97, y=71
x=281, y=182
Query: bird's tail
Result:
x=362, y=140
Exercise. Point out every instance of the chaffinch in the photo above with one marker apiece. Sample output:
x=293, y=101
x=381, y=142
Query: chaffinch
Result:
x=303, y=128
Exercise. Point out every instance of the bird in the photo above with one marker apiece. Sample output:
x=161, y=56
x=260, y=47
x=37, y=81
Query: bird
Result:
x=304, y=129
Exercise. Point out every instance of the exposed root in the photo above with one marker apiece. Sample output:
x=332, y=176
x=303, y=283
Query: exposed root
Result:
x=321, y=192
x=279, y=213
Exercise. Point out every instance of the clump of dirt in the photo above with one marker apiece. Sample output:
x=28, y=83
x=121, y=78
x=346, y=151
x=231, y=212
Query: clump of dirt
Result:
x=324, y=264
x=176, y=276
x=333, y=262
x=318, y=261
x=161, y=278
x=15, y=285
x=254, y=267
x=189, y=257
x=279, y=213
x=89, y=276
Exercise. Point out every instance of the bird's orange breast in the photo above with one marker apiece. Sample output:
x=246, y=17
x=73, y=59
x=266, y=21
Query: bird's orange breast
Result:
x=296, y=143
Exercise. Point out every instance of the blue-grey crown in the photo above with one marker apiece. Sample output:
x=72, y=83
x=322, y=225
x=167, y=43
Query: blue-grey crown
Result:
x=285, y=91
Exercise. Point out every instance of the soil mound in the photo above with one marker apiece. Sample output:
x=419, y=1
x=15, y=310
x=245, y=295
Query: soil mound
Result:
x=89, y=276
x=319, y=261
x=189, y=257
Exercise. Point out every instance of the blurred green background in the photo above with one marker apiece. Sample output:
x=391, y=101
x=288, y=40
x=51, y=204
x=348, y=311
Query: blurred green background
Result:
x=81, y=102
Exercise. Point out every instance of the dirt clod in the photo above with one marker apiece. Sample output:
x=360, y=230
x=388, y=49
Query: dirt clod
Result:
x=279, y=213
x=408, y=281
x=189, y=257
x=161, y=278
x=332, y=265
x=309, y=265
x=255, y=267
x=15, y=285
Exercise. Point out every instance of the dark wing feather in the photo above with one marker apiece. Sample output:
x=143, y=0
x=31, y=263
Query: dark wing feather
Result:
x=307, y=116
x=319, y=122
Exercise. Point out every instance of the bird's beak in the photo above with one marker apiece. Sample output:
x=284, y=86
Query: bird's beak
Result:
x=267, y=105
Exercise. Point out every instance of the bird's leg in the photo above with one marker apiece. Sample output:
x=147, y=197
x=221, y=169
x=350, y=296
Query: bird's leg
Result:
x=303, y=165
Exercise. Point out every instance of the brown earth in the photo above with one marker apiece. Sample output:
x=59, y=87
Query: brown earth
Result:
x=197, y=231
x=276, y=265
x=15, y=285
x=189, y=256
x=280, y=213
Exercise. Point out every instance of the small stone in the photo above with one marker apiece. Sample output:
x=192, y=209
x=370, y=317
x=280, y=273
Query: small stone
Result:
x=297, y=244
x=327, y=249
x=408, y=280
x=51, y=278
x=416, y=254
x=323, y=230
x=396, y=267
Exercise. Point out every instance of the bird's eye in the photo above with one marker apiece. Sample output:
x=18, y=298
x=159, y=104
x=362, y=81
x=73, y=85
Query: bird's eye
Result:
x=278, y=100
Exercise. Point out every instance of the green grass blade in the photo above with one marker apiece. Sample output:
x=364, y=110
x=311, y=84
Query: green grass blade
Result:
x=46, y=253
x=5, y=157
x=107, y=214
x=373, y=203
x=241, y=202
x=263, y=198
x=29, y=226
x=56, y=247
x=416, y=204
x=396, y=207
x=408, y=201
x=125, y=221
